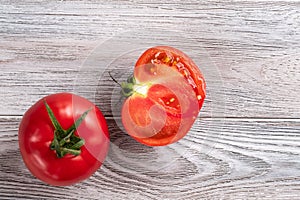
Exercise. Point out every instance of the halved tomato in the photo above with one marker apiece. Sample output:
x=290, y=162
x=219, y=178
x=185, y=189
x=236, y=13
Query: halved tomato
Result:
x=162, y=107
x=164, y=97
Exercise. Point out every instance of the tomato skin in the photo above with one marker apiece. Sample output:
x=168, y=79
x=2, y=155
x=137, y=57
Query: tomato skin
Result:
x=36, y=133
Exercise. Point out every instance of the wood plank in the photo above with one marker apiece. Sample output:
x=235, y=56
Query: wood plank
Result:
x=253, y=45
x=263, y=89
x=218, y=159
x=244, y=145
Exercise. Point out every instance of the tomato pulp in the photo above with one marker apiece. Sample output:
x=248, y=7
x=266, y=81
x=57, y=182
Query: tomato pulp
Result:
x=181, y=62
x=164, y=97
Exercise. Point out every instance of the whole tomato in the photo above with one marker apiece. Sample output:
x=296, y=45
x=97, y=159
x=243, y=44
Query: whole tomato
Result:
x=63, y=139
x=164, y=96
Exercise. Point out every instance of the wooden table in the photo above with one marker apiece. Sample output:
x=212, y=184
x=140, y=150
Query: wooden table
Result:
x=245, y=143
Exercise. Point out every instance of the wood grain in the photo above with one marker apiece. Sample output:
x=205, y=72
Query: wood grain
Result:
x=218, y=159
x=245, y=143
x=262, y=89
x=44, y=45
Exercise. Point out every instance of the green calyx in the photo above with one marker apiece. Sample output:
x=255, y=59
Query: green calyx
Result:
x=65, y=141
x=127, y=87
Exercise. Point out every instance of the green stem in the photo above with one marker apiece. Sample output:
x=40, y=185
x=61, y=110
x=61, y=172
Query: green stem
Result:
x=65, y=141
x=127, y=87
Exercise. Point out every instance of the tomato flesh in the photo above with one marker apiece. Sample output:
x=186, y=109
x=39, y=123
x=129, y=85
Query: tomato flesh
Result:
x=171, y=96
x=178, y=60
x=163, y=112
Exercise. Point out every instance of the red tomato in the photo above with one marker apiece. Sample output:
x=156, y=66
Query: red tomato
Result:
x=164, y=97
x=71, y=153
